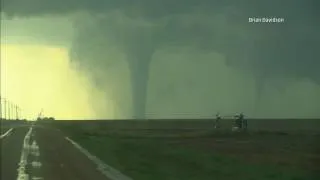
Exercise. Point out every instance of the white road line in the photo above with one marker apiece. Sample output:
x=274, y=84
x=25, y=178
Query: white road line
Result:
x=37, y=178
x=105, y=169
x=24, y=157
x=6, y=133
x=34, y=150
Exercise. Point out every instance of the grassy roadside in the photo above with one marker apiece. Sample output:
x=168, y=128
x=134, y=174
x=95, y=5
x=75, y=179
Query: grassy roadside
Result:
x=147, y=158
x=4, y=129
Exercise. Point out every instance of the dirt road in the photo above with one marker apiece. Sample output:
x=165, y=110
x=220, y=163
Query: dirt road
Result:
x=39, y=153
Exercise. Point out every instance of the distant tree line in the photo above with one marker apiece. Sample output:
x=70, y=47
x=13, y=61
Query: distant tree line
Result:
x=45, y=119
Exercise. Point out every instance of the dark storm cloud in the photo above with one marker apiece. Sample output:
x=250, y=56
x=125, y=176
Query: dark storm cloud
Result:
x=280, y=47
x=150, y=8
x=265, y=49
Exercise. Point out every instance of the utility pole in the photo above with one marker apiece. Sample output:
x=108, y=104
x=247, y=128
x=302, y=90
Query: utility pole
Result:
x=5, y=108
x=13, y=108
x=0, y=107
x=20, y=113
x=12, y=111
x=9, y=110
x=17, y=113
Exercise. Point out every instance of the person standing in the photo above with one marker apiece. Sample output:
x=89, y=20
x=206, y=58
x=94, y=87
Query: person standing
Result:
x=238, y=121
x=217, y=123
x=245, y=124
x=241, y=117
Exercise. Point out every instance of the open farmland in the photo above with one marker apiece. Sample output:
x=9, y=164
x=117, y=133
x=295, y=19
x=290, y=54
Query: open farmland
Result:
x=4, y=129
x=272, y=149
x=5, y=125
x=293, y=125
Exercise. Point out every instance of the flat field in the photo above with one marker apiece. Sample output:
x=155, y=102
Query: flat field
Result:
x=193, y=150
x=5, y=125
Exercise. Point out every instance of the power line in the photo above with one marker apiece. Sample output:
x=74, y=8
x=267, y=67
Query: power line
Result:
x=9, y=110
x=5, y=108
x=17, y=112
x=0, y=107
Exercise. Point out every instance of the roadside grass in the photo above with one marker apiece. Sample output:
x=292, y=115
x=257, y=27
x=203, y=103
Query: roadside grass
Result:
x=153, y=158
x=4, y=129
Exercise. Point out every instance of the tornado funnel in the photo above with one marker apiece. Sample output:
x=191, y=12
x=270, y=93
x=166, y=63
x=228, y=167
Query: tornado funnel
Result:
x=139, y=75
x=260, y=82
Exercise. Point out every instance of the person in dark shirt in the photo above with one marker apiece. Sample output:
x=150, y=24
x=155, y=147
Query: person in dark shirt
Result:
x=245, y=124
x=218, y=118
x=241, y=117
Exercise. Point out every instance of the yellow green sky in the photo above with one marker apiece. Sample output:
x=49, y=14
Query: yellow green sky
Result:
x=39, y=77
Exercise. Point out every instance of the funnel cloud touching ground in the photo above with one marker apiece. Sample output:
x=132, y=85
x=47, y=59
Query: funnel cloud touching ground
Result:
x=124, y=44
